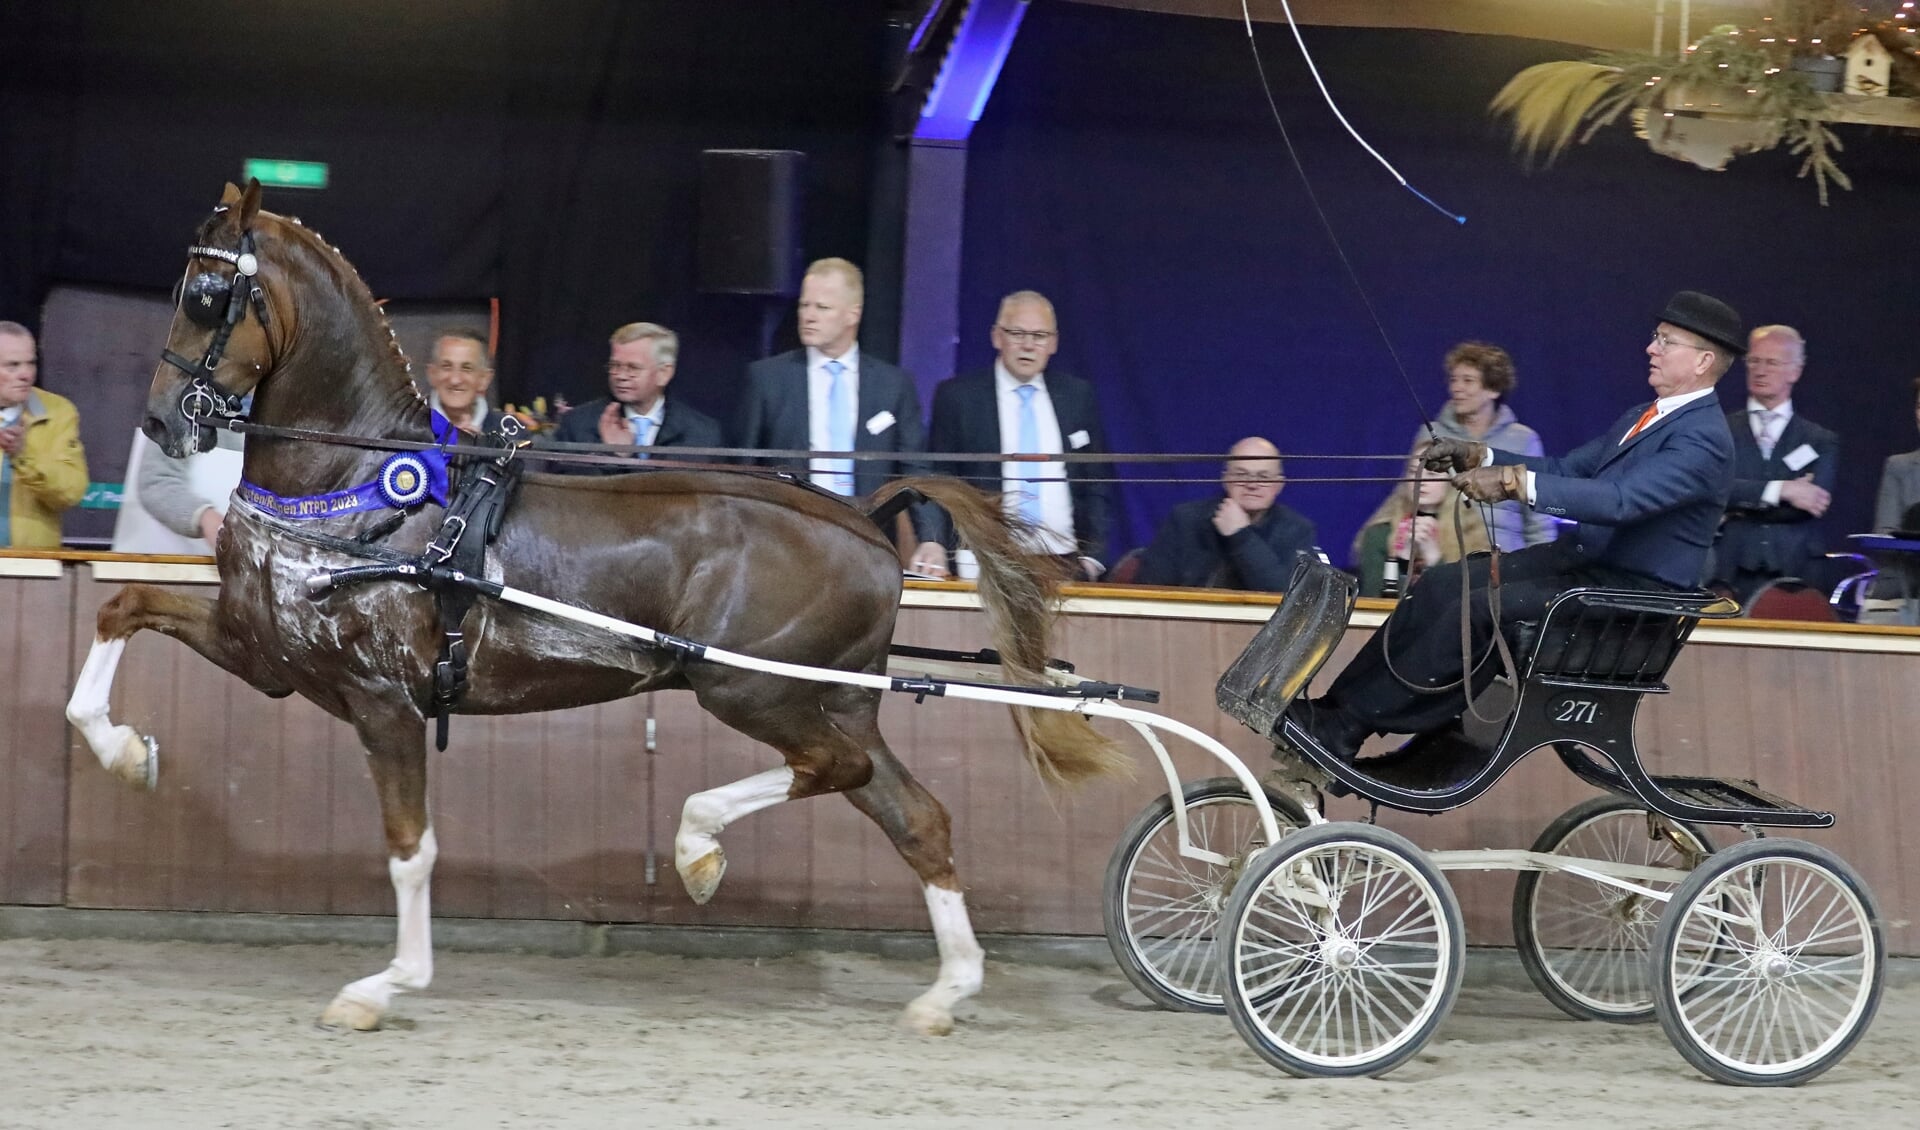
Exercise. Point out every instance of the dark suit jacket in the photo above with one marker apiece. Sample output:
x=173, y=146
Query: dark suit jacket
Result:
x=1651, y=505
x=1189, y=551
x=966, y=420
x=772, y=413
x=681, y=426
x=1773, y=539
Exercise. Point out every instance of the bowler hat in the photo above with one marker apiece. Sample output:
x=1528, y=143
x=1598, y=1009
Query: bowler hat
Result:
x=1707, y=316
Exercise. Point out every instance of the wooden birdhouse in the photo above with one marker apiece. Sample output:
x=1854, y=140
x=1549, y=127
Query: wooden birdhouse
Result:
x=1869, y=65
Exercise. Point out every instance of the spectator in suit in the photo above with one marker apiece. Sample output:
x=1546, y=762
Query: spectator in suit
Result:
x=43, y=468
x=638, y=414
x=829, y=396
x=459, y=373
x=1479, y=378
x=1020, y=407
x=1242, y=539
x=1785, y=469
x=1898, y=504
x=1647, y=492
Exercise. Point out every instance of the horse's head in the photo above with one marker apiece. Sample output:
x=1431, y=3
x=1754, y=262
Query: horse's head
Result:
x=220, y=344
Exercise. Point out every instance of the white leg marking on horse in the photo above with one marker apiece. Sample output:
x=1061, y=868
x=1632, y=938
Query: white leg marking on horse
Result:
x=962, y=964
x=696, y=851
x=361, y=1004
x=121, y=750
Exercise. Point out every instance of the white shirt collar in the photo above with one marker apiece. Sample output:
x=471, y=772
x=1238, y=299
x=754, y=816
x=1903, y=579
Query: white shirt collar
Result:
x=1667, y=404
x=9, y=415
x=851, y=358
x=1006, y=382
x=1784, y=412
x=658, y=414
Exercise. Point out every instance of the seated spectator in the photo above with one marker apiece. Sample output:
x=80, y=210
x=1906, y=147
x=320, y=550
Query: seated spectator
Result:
x=43, y=469
x=1785, y=467
x=639, y=413
x=1419, y=535
x=1896, y=507
x=1479, y=378
x=460, y=372
x=1244, y=540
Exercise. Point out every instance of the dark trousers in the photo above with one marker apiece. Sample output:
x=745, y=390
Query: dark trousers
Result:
x=1424, y=634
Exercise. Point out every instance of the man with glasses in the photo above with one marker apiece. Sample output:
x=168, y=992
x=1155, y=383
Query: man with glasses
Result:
x=1648, y=493
x=1022, y=408
x=638, y=416
x=829, y=395
x=1784, y=473
x=1242, y=539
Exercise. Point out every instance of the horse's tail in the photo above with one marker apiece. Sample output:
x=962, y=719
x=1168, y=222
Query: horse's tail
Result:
x=1017, y=591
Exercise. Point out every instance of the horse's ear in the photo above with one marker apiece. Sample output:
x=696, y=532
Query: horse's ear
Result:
x=231, y=196
x=249, y=203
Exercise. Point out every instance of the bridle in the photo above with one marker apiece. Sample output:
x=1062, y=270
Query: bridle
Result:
x=219, y=303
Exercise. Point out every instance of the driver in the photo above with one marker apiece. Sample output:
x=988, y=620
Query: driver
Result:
x=1648, y=493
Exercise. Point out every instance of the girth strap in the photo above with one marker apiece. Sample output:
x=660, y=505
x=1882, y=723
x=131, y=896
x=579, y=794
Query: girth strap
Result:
x=485, y=489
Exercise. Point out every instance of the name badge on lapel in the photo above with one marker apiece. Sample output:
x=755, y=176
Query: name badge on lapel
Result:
x=1079, y=439
x=880, y=422
x=1800, y=457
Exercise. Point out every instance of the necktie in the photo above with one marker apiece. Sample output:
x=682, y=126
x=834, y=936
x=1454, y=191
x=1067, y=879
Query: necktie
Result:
x=1029, y=444
x=642, y=433
x=840, y=415
x=1765, y=437
x=1646, y=418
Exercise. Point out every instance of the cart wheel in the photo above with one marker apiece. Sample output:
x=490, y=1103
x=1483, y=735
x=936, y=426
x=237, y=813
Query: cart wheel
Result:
x=1163, y=909
x=1343, y=951
x=1768, y=964
x=1585, y=944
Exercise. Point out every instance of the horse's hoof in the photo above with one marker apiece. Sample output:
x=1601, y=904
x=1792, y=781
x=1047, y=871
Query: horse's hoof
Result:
x=703, y=875
x=347, y=1014
x=138, y=762
x=927, y=1019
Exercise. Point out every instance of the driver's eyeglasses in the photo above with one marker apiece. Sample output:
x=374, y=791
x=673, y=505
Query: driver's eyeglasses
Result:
x=624, y=369
x=1661, y=343
x=1035, y=337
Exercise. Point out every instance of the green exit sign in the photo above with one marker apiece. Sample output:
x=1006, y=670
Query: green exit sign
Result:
x=286, y=174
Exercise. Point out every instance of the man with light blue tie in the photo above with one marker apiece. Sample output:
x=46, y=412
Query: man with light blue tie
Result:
x=830, y=396
x=637, y=414
x=1022, y=408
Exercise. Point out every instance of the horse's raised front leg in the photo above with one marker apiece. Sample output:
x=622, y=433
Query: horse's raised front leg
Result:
x=395, y=737
x=122, y=750
x=696, y=846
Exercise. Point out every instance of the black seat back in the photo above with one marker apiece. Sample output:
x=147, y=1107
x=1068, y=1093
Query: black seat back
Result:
x=1622, y=638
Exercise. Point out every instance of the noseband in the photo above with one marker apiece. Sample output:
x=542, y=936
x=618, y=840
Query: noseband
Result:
x=219, y=303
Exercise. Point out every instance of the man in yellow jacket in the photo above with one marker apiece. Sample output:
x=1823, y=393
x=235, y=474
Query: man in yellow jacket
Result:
x=43, y=469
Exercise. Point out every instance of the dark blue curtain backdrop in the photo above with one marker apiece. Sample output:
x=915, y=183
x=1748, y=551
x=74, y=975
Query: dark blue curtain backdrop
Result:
x=544, y=152
x=1128, y=167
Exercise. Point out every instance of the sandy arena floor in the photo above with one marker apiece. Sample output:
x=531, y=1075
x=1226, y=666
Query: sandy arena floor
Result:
x=171, y=1034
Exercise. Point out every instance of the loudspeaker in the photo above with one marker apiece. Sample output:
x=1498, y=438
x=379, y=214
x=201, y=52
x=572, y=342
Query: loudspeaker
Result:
x=750, y=219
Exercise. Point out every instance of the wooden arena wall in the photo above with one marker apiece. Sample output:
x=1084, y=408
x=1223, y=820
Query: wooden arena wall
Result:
x=266, y=806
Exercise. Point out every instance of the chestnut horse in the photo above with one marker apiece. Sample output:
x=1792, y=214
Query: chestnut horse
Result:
x=742, y=561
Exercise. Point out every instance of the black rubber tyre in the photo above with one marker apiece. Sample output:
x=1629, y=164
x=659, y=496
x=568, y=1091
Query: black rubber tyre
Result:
x=1162, y=910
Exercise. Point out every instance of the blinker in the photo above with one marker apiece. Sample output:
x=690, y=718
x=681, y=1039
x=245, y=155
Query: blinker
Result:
x=204, y=299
